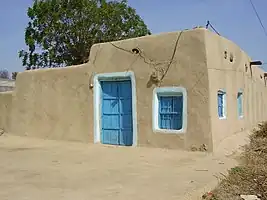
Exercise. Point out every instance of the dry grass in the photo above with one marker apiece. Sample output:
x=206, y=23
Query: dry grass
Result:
x=250, y=177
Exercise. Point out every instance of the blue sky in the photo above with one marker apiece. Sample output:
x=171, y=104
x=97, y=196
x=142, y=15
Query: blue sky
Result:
x=234, y=19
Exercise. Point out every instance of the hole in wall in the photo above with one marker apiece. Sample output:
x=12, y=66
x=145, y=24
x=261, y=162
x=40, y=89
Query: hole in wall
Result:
x=136, y=50
x=231, y=57
x=225, y=54
x=265, y=76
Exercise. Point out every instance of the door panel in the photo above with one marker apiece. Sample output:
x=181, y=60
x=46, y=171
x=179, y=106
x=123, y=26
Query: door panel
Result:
x=110, y=136
x=117, y=113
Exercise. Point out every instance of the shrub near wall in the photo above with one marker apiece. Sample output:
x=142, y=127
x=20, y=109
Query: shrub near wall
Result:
x=5, y=110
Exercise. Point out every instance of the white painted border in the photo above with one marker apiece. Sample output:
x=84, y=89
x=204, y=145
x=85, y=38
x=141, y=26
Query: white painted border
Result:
x=129, y=75
x=222, y=91
x=168, y=91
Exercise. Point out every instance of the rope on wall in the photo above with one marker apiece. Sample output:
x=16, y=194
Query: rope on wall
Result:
x=158, y=66
x=174, y=51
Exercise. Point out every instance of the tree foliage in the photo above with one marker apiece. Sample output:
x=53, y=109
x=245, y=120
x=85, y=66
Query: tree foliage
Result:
x=4, y=74
x=61, y=32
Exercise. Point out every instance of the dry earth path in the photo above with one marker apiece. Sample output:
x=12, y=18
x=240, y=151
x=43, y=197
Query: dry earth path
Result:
x=40, y=169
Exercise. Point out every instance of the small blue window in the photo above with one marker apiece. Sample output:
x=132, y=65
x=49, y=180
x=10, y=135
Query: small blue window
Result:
x=240, y=104
x=171, y=112
x=221, y=104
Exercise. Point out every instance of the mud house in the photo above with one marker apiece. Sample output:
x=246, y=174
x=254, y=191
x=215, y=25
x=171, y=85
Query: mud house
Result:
x=6, y=85
x=182, y=90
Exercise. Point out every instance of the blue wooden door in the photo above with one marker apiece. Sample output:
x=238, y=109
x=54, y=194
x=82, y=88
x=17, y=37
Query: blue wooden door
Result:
x=117, y=113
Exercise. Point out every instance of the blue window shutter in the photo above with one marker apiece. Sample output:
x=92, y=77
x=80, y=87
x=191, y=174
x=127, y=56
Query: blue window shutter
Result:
x=171, y=112
x=220, y=104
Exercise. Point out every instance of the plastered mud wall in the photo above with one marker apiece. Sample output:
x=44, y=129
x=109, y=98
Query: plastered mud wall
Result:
x=232, y=77
x=5, y=110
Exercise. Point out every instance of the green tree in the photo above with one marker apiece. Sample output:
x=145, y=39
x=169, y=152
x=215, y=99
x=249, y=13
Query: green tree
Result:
x=61, y=32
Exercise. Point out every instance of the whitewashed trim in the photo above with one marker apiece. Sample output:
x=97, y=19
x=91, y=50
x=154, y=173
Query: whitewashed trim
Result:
x=116, y=76
x=222, y=91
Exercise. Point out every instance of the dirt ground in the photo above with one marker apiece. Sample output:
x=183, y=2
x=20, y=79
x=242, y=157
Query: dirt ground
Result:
x=33, y=169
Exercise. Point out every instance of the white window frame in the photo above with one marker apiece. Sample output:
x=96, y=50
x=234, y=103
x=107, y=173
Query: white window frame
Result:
x=242, y=99
x=222, y=91
x=168, y=91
